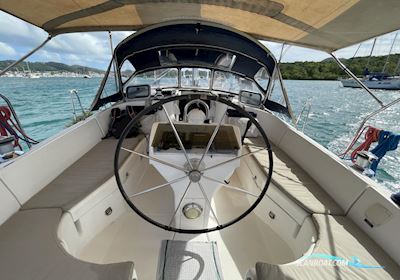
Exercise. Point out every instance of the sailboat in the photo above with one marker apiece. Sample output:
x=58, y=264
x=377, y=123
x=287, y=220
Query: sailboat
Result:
x=29, y=74
x=379, y=80
x=188, y=169
x=86, y=74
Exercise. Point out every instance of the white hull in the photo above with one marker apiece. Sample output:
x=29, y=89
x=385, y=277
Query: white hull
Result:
x=390, y=84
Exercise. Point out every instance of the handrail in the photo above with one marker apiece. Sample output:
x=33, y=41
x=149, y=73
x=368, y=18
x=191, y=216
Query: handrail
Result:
x=74, y=92
x=9, y=104
x=306, y=108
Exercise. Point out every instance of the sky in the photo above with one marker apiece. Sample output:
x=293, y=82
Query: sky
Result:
x=93, y=49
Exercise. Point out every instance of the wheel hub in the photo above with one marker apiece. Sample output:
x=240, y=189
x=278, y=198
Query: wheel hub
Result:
x=194, y=176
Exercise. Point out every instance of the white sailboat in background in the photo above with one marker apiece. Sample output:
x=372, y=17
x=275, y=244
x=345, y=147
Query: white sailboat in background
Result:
x=375, y=81
x=29, y=74
x=378, y=80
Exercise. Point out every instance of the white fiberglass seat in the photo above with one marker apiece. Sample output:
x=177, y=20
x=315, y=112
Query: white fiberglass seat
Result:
x=338, y=237
x=29, y=249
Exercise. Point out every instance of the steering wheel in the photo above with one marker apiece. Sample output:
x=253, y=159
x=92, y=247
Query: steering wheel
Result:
x=198, y=169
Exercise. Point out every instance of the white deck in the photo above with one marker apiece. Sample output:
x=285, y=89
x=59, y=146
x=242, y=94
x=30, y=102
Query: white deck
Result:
x=88, y=234
x=240, y=246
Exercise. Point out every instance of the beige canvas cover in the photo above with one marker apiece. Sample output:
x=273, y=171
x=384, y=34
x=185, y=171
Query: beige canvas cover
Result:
x=321, y=24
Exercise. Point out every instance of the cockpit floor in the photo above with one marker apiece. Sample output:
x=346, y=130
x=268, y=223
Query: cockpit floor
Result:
x=181, y=260
x=240, y=246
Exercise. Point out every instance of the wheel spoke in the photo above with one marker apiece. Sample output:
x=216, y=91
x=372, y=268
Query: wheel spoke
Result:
x=230, y=187
x=155, y=159
x=216, y=129
x=208, y=202
x=249, y=145
x=177, y=137
x=180, y=202
x=233, y=159
x=158, y=187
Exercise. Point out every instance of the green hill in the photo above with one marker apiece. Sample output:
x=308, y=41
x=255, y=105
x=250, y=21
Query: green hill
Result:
x=329, y=70
x=323, y=70
x=49, y=67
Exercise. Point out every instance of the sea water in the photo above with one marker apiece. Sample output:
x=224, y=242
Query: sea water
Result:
x=44, y=108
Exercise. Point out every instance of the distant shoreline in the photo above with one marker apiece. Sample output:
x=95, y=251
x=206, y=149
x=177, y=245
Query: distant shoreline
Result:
x=329, y=70
x=53, y=74
x=326, y=70
x=96, y=75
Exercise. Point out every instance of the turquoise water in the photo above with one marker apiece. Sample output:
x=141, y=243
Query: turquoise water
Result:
x=44, y=108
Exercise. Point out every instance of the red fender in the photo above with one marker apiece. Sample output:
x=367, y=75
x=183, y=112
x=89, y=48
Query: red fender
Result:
x=5, y=116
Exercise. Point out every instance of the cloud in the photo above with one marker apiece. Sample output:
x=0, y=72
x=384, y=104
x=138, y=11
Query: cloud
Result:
x=14, y=31
x=89, y=49
x=6, y=50
x=294, y=53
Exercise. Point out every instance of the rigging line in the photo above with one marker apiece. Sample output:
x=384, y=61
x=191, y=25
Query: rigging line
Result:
x=354, y=55
x=113, y=59
x=390, y=52
x=370, y=54
x=281, y=53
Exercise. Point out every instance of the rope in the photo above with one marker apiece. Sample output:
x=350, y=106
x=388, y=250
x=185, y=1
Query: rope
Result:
x=371, y=136
x=11, y=131
x=9, y=127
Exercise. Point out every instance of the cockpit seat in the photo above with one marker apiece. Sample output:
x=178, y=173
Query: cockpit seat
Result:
x=292, y=180
x=83, y=177
x=29, y=249
x=342, y=238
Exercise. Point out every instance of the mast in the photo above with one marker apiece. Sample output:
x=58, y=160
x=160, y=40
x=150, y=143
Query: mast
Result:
x=370, y=54
x=354, y=55
x=390, y=52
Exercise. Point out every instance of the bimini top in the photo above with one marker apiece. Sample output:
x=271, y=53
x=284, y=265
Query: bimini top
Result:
x=200, y=44
x=322, y=24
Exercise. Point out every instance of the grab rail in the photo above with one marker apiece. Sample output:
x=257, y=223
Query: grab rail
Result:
x=306, y=108
x=74, y=93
